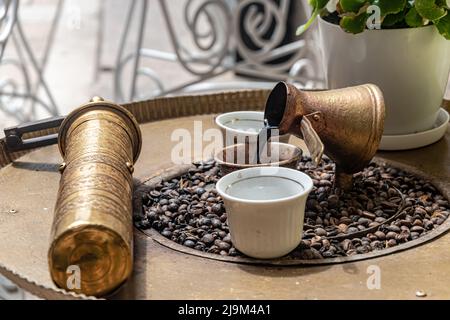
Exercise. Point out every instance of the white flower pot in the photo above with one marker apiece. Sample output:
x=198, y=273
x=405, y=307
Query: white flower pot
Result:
x=411, y=66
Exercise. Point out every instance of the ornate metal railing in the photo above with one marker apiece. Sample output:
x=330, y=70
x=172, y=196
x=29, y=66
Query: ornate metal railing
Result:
x=216, y=31
x=19, y=96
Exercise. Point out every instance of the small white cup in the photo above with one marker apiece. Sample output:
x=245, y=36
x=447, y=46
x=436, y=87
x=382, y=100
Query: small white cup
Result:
x=264, y=223
x=240, y=126
x=243, y=127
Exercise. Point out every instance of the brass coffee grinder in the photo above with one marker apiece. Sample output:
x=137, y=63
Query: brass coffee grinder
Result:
x=92, y=232
x=345, y=124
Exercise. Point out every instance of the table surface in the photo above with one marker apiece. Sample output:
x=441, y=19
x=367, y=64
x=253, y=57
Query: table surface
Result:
x=29, y=186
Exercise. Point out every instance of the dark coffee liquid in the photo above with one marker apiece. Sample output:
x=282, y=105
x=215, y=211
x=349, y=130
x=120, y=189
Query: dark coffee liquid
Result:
x=263, y=137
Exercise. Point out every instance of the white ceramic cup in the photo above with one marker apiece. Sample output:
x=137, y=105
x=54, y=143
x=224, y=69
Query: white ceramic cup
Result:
x=266, y=217
x=243, y=127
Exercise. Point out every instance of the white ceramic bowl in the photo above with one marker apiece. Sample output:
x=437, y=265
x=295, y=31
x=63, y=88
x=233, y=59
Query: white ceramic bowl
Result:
x=267, y=228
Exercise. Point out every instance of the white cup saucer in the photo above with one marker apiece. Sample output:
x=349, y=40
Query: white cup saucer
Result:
x=419, y=139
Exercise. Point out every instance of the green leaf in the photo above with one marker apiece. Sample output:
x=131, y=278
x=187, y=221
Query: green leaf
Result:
x=443, y=25
x=413, y=18
x=392, y=19
x=443, y=3
x=304, y=27
x=428, y=9
x=321, y=4
x=354, y=23
x=390, y=6
x=318, y=4
x=352, y=5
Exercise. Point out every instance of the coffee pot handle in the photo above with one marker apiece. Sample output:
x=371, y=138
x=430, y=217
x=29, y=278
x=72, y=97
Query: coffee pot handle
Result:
x=312, y=141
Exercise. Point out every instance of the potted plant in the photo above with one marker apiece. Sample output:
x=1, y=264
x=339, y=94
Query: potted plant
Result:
x=400, y=45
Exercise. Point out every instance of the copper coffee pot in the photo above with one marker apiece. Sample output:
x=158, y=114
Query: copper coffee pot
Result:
x=345, y=124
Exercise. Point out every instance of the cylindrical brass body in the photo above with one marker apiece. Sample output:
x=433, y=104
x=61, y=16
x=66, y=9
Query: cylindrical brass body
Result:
x=92, y=237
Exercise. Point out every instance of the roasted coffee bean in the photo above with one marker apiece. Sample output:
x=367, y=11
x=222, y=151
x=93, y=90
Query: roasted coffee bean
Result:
x=372, y=237
x=208, y=239
x=428, y=225
x=320, y=232
x=352, y=230
x=415, y=235
x=417, y=229
x=368, y=215
x=403, y=236
x=189, y=211
x=205, y=222
x=420, y=211
x=216, y=223
x=333, y=201
x=217, y=208
x=200, y=191
x=380, y=219
x=173, y=207
x=364, y=221
x=391, y=243
x=363, y=249
x=222, y=234
x=405, y=223
x=343, y=228
x=328, y=254
x=316, y=245
x=377, y=245
x=391, y=235
x=167, y=234
x=393, y=228
x=155, y=193
x=223, y=245
x=373, y=224
x=189, y=243
x=346, y=244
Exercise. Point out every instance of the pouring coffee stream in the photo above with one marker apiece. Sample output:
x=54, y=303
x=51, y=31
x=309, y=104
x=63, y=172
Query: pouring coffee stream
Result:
x=265, y=134
x=345, y=124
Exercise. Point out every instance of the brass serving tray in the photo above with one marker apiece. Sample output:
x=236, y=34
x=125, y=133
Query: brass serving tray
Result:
x=29, y=183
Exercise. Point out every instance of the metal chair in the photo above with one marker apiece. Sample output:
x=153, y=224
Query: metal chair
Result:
x=19, y=98
x=215, y=45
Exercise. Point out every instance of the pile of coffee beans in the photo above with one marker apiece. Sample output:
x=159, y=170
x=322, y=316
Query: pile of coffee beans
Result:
x=386, y=207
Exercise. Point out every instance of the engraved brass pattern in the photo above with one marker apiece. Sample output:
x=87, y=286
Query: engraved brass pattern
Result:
x=92, y=229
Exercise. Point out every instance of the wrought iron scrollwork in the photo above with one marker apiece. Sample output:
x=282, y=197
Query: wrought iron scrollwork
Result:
x=18, y=94
x=210, y=40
